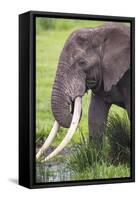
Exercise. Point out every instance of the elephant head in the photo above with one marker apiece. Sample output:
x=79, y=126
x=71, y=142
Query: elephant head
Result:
x=99, y=56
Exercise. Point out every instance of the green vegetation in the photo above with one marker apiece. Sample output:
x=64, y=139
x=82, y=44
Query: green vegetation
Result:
x=45, y=24
x=118, y=132
x=87, y=155
x=111, y=159
x=50, y=38
x=103, y=171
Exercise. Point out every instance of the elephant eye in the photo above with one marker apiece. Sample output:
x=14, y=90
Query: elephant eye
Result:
x=82, y=62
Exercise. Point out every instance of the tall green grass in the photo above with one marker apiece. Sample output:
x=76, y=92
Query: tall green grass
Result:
x=118, y=132
x=87, y=154
x=103, y=171
x=108, y=160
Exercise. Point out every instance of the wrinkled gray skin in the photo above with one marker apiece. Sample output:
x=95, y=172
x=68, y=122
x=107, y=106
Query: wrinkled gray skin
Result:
x=96, y=59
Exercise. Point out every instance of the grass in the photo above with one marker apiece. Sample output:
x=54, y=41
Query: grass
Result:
x=63, y=24
x=118, y=131
x=110, y=159
x=103, y=171
x=87, y=154
x=87, y=160
x=49, y=43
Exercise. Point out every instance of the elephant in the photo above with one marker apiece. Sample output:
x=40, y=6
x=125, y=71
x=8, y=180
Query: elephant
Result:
x=96, y=59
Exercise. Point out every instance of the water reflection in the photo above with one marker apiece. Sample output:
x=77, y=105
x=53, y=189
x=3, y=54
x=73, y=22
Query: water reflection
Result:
x=54, y=170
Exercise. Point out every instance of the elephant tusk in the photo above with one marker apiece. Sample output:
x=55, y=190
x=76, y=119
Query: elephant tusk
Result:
x=71, y=131
x=49, y=140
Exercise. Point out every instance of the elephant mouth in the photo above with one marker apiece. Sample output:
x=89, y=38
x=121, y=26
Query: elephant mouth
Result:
x=93, y=85
x=90, y=84
x=72, y=107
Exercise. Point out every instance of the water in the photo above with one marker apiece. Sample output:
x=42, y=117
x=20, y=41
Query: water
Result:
x=52, y=172
x=55, y=170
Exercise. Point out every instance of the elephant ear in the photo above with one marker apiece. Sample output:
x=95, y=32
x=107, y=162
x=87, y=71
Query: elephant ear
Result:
x=116, y=54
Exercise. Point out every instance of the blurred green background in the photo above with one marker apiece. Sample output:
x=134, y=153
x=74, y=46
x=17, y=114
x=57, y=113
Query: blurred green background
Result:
x=51, y=34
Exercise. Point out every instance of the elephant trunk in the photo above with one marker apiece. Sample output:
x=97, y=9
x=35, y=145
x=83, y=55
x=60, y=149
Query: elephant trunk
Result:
x=61, y=103
x=67, y=86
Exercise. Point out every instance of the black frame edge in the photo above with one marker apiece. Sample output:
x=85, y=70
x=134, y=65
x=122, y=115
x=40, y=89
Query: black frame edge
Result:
x=24, y=96
x=80, y=16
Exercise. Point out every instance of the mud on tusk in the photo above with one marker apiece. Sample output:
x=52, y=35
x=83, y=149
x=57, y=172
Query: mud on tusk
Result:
x=71, y=131
x=49, y=140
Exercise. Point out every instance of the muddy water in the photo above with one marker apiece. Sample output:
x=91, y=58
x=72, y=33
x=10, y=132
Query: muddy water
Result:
x=55, y=170
x=52, y=172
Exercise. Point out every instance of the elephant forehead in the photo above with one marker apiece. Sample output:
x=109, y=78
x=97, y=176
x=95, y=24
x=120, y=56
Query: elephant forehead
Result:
x=88, y=37
x=81, y=32
x=80, y=36
x=72, y=51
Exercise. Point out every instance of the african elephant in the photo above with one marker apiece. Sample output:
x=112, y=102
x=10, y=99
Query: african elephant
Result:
x=97, y=59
